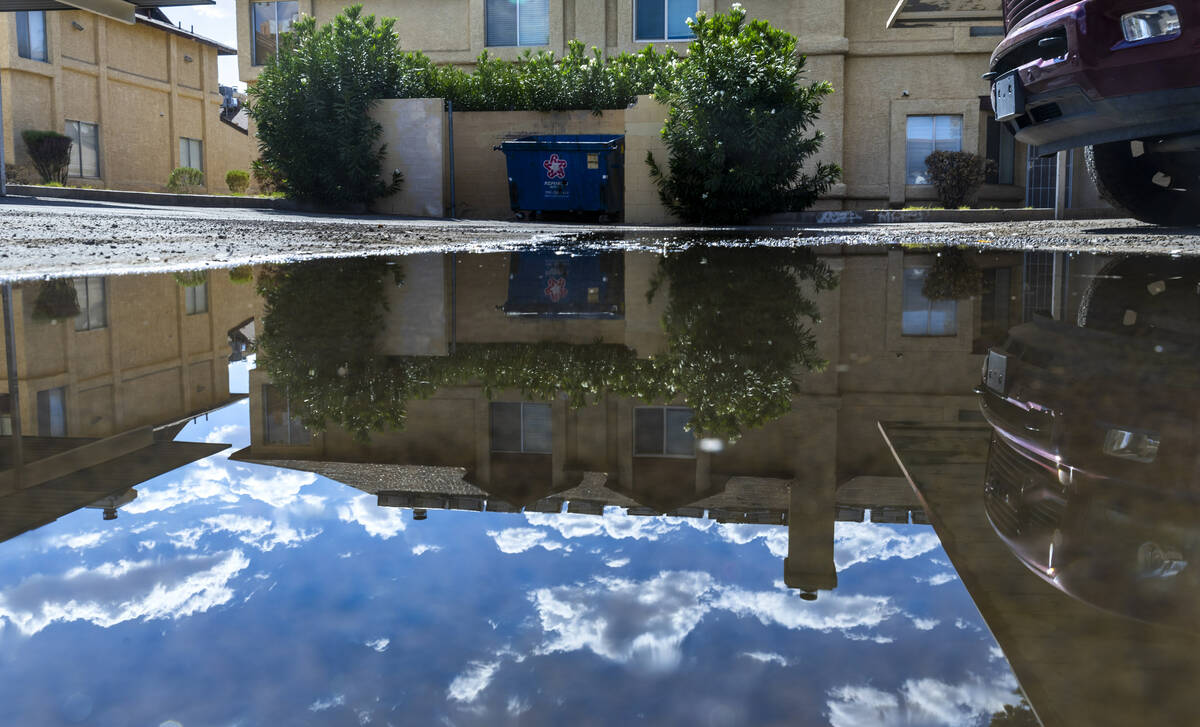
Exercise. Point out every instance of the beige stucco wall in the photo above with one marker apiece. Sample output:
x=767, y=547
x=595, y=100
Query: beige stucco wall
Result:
x=143, y=86
x=151, y=364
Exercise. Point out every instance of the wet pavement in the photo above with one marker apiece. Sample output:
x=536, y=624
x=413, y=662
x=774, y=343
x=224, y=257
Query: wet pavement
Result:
x=637, y=482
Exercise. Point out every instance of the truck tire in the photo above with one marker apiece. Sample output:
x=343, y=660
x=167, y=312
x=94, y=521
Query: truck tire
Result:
x=1137, y=295
x=1127, y=182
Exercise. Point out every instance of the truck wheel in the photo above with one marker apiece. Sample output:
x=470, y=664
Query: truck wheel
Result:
x=1163, y=189
x=1135, y=295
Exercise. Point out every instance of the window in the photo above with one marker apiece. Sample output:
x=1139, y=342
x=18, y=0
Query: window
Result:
x=93, y=313
x=191, y=153
x=518, y=22
x=662, y=19
x=267, y=21
x=31, y=35
x=85, y=149
x=280, y=425
x=662, y=430
x=52, y=413
x=1000, y=149
x=195, y=298
x=925, y=135
x=521, y=427
x=922, y=316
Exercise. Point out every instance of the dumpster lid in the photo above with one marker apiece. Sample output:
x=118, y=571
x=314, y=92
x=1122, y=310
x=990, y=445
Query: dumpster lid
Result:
x=563, y=142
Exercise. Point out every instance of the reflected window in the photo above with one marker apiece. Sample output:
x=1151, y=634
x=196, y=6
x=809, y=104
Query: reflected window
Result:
x=52, y=412
x=922, y=316
x=196, y=298
x=6, y=415
x=662, y=431
x=267, y=21
x=925, y=135
x=663, y=19
x=191, y=153
x=93, y=309
x=521, y=427
x=518, y=22
x=85, y=149
x=31, y=35
x=280, y=425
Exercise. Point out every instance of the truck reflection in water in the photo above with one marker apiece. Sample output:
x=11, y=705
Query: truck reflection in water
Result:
x=1091, y=474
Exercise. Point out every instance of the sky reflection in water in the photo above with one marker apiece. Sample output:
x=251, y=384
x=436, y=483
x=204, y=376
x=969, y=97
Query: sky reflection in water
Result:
x=231, y=593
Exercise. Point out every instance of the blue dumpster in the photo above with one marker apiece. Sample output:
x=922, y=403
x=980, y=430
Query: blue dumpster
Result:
x=566, y=173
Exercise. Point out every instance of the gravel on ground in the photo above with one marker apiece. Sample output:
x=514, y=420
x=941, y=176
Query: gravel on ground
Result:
x=46, y=237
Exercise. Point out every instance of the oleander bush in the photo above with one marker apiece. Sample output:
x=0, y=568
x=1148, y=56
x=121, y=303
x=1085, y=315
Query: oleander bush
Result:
x=185, y=180
x=957, y=176
x=739, y=125
x=50, y=152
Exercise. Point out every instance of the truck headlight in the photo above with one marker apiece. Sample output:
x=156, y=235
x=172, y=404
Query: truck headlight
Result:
x=1137, y=446
x=1156, y=22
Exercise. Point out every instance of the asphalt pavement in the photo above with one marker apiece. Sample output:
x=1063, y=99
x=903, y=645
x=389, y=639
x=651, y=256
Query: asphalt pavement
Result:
x=40, y=237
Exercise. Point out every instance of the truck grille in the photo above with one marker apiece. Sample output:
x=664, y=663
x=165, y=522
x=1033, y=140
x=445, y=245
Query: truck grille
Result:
x=1016, y=11
x=1018, y=493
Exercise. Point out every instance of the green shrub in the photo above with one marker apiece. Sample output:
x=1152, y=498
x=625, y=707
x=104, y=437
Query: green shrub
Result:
x=241, y=275
x=50, y=152
x=237, y=180
x=191, y=278
x=266, y=177
x=736, y=128
x=312, y=102
x=954, y=276
x=957, y=176
x=185, y=180
x=56, y=300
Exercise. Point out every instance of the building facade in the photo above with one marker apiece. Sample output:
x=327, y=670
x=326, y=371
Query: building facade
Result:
x=137, y=100
x=900, y=92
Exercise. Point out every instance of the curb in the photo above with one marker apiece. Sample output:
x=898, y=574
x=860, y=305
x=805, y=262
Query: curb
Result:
x=868, y=217
x=151, y=198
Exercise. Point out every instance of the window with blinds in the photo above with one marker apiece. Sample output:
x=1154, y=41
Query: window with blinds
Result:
x=85, y=149
x=191, y=153
x=518, y=22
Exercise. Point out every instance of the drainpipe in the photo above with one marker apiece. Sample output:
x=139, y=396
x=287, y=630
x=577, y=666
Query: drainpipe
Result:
x=3, y=173
x=450, y=117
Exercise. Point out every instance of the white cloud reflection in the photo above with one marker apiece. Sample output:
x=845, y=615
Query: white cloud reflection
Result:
x=467, y=686
x=924, y=702
x=519, y=540
x=113, y=593
x=379, y=522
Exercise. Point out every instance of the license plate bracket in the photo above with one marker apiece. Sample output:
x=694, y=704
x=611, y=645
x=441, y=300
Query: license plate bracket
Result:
x=997, y=372
x=1008, y=97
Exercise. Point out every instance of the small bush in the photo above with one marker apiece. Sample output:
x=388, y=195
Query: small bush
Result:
x=191, y=278
x=186, y=180
x=22, y=174
x=51, y=154
x=241, y=275
x=954, y=276
x=266, y=177
x=237, y=180
x=957, y=176
x=56, y=300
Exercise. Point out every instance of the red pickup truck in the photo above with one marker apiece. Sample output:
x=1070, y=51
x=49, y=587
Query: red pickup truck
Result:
x=1120, y=78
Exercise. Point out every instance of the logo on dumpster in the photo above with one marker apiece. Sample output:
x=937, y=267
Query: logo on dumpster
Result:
x=556, y=289
x=556, y=168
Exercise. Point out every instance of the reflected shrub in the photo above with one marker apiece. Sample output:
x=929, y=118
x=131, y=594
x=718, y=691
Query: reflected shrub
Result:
x=953, y=276
x=56, y=300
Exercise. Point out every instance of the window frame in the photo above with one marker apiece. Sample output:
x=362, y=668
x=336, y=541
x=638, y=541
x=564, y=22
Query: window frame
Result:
x=962, y=127
x=487, y=22
x=663, y=453
x=190, y=306
x=74, y=129
x=289, y=421
x=666, y=24
x=186, y=142
x=928, y=308
x=22, y=19
x=85, y=316
x=255, y=61
x=522, y=404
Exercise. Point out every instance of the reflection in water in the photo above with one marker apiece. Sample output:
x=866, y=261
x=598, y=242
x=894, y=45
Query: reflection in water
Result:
x=507, y=487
